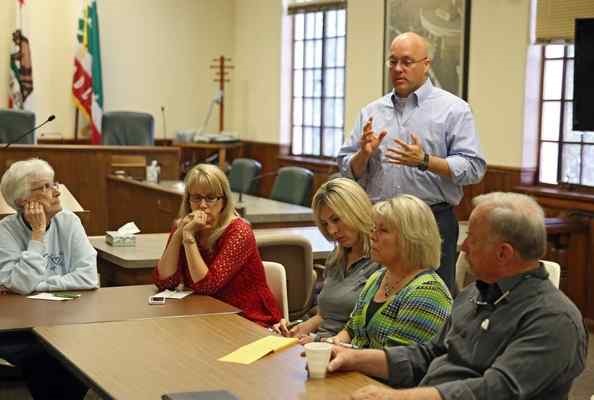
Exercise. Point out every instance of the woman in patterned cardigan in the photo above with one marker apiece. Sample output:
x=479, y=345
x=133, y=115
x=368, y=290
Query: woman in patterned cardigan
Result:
x=405, y=302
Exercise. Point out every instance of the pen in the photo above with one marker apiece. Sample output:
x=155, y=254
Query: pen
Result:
x=67, y=295
x=347, y=345
x=294, y=323
x=341, y=344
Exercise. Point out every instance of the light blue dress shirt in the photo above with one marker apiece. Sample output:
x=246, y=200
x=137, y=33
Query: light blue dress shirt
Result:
x=445, y=126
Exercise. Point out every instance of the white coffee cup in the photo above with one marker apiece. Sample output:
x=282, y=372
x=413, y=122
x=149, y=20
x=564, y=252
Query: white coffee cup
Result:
x=318, y=356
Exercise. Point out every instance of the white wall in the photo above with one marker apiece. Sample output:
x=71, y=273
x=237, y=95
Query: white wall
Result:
x=499, y=39
x=255, y=81
x=157, y=52
x=497, y=70
x=154, y=53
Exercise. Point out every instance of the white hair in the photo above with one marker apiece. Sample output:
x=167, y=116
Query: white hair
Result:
x=517, y=219
x=16, y=181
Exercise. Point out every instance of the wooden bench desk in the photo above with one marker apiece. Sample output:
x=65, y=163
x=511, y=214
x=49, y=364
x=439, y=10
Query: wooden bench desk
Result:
x=154, y=206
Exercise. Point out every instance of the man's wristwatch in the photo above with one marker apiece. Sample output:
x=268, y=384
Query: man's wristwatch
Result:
x=424, y=164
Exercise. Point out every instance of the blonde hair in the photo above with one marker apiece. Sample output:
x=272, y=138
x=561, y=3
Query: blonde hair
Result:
x=350, y=203
x=411, y=219
x=216, y=182
x=16, y=181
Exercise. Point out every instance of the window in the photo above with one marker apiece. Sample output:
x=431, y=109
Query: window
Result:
x=318, y=82
x=566, y=156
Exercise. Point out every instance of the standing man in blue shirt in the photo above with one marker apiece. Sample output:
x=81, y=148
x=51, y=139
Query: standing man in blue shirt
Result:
x=418, y=140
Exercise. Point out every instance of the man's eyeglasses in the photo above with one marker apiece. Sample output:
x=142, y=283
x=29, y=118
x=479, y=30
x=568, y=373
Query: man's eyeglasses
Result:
x=47, y=187
x=209, y=200
x=404, y=62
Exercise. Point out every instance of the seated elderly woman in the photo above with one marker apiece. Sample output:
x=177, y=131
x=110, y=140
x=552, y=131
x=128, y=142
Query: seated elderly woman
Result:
x=342, y=212
x=405, y=302
x=43, y=248
x=212, y=251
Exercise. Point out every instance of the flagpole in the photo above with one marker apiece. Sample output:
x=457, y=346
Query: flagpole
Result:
x=75, y=124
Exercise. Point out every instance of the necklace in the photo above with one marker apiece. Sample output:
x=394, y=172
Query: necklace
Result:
x=388, y=289
x=391, y=288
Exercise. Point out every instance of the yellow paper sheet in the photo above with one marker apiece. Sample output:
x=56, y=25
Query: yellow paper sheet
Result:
x=254, y=351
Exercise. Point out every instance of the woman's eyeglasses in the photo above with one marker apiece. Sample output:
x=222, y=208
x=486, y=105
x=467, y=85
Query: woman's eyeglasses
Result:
x=209, y=200
x=47, y=187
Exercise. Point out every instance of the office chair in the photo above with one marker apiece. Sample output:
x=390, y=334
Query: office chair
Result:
x=276, y=278
x=127, y=128
x=293, y=185
x=13, y=123
x=294, y=253
x=464, y=275
x=243, y=172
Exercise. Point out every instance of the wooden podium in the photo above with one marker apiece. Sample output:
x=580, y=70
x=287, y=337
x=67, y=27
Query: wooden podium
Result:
x=66, y=198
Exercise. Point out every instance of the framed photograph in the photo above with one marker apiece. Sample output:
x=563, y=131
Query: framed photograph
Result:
x=446, y=24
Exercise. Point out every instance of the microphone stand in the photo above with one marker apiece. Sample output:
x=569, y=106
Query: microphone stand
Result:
x=217, y=99
x=49, y=119
x=240, y=207
x=164, y=123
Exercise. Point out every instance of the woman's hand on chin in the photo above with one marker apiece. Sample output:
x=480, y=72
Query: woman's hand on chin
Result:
x=34, y=214
x=194, y=222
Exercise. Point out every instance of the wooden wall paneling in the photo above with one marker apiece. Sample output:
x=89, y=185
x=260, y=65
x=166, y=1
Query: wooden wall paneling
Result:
x=567, y=240
x=84, y=169
x=496, y=179
x=153, y=211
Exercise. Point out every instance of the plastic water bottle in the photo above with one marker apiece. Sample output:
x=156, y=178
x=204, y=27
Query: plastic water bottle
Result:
x=152, y=172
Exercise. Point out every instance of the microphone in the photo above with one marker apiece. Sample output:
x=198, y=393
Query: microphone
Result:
x=49, y=119
x=164, y=122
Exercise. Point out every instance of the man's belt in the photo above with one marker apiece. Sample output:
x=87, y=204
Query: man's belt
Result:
x=440, y=207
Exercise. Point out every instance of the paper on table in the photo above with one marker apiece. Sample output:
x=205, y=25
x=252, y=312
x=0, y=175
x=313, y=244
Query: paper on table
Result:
x=254, y=351
x=48, y=296
x=173, y=294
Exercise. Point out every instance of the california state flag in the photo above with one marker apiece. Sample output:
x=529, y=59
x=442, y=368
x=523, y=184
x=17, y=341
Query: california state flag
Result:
x=87, y=86
x=20, y=83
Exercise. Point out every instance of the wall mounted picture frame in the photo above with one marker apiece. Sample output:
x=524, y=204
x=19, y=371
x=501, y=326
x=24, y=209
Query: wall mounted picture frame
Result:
x=446, y=25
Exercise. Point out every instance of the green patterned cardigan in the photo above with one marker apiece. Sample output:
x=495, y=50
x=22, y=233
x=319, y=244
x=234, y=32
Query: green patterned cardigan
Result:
x=412, y=315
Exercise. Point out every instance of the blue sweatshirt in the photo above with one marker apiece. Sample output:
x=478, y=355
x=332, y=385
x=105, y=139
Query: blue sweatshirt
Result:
x=65, y=260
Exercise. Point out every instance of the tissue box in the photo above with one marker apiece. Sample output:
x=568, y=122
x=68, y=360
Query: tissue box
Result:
x=119, y=240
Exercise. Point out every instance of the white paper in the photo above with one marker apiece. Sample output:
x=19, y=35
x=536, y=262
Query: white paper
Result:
x=125, y=230
x=171, y=294
x=47, y=296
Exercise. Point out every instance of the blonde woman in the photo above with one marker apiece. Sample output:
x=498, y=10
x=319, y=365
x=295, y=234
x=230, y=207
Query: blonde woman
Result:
x=342, y=212
x=213, y=251
x=405, y=302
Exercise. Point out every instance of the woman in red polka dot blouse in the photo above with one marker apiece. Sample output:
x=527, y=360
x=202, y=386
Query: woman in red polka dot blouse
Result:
x=213, y=251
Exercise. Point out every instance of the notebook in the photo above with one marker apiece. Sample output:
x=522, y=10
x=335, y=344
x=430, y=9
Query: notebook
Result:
x=202, y=395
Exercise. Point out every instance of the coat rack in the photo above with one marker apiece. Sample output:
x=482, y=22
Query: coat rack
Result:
x=221, y=76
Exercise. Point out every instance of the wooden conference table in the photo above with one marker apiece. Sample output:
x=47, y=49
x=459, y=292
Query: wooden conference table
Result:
x=143, y=359
x=101, y=305
x=134, y=265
